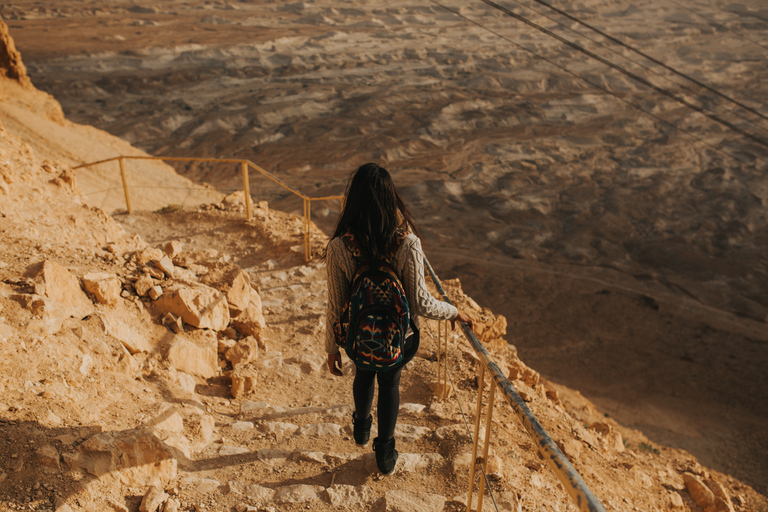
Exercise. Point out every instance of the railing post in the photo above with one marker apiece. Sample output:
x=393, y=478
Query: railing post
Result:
x=125, y=185
x=480, y=386
x=246, y=189
x=439, y=390
x=484, y=464
x=307, y=244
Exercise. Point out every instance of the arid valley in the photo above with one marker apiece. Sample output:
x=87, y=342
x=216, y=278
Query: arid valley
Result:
x=597, y=173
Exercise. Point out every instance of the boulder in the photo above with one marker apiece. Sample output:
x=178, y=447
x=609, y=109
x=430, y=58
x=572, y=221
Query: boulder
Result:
x=235, y=283
x=131, y=325
x=135, y=458
x=701, y=494
x=250, y=322
x=197, y=305
x=103, y=287
x=244, y=351
x=194, y=353
x=56, y=283
x=153, y=499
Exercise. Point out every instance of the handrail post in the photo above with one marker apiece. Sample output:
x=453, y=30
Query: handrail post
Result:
x=439, y=349
x=484, y=464
x=246, y=189
x=307, y=244
x=480, y=386
x=121, y=160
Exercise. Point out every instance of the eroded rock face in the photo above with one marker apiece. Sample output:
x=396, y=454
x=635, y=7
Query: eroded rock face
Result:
x=10, y=59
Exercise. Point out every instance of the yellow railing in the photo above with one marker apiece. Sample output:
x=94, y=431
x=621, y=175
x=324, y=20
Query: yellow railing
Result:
x=570, y=479
x=245, y=166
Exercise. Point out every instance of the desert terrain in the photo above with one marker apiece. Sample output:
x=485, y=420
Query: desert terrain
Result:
x=621, y=233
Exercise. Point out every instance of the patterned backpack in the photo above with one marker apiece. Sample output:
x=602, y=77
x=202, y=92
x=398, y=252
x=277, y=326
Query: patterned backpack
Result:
x=375, y=317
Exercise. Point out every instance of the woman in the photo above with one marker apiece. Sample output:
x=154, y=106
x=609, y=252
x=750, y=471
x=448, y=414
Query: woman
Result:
x=376, y=216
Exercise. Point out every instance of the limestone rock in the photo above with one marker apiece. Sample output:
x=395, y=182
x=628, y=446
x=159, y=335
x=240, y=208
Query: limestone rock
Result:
x=55, y=282
x=519, y=371
x=152, y=500
x=701, y=494
x=308, y=363
x=235, y=283
x=250, y=322
x=410, y=433
x=300, y=493
x=166, y=266
x=244, y=380
x=143, y=284
x=173, y=248
x=104, y=287
x=321, y=429
x=244, y=351
x=11, y=64
x=147, y=256
x=408, y=501
x=135, y=458
x=194, y=353
x=199, y=306
x=130, y=324
x=48, y=456
x=172, y=505
x=280, y=428
x=155, y=292
x=349, y=496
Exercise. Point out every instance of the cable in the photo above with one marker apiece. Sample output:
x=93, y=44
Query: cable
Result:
x=652, y=59
x=647, y=68
x=596, y=86
x=628, y=73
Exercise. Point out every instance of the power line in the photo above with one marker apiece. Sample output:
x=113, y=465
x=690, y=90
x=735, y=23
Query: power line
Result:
x=647, y=68
x=593, y=84
x=652, y=59
x=628, y=73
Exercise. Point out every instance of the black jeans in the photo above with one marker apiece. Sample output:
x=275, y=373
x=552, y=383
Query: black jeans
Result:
x=389, y=390
x=389, y=398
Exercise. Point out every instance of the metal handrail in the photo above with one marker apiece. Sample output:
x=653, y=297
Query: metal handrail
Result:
x=572, y=482
x=245, y=164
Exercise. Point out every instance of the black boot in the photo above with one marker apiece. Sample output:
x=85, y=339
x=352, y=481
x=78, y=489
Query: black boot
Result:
x=386, y=455
x=361, y=430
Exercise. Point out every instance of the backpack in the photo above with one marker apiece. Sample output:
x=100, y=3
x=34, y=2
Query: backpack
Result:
x=375, y=317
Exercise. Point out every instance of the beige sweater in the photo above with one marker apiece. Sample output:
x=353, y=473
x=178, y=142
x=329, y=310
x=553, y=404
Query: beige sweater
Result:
x=409, y=265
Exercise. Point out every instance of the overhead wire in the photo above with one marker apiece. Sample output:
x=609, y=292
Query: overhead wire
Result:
x=656, y=61
x=644, y=55
x=626, y=72
x=593, y=84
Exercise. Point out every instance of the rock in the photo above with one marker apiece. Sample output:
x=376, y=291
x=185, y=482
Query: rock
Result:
x=300, y=493
x=104, y=287
x=410, y=433
x=166, y=266
x=519, y=371
x=412, y=408
x=56, y=283
x=675, y=501
x=700, y=493
x=571, y=448
x=321, y=429
x=173, y=248
x=308, y=456
x=408, y=501
x=152, y=500
x=244, y=380
x=273, y=453
x=244, y=351
x=349, y=496
x=155, y=292
x=117, y=506
x=201, y=485
x=195, y=354
x=271, y=360
x=172, y=505
x=143, y=284
x=147, y=256
x=135, y=458
x=48, y=457
x=235, y=283
x=173, y=322
x=308, y=363
x=250, y=322
x=199, y=306
x=279, y=427
x=130, y=324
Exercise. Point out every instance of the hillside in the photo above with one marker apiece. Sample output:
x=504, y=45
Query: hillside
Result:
x=115, y=387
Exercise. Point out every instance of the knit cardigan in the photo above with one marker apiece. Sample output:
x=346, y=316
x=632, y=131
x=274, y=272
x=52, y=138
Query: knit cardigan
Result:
x=409, y=265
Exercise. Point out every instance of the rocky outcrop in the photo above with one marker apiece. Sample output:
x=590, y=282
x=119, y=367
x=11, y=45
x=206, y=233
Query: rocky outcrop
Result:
x=10, y=59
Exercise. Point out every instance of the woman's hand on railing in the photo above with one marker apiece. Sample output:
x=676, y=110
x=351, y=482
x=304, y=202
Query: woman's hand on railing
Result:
x=461, y=317
x=334, y=363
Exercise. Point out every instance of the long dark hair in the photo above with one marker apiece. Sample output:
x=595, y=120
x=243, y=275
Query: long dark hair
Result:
x=373, y=211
